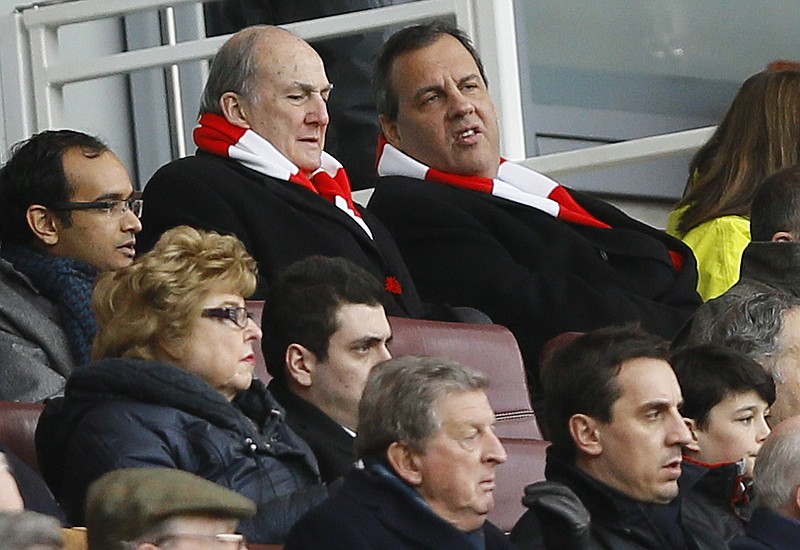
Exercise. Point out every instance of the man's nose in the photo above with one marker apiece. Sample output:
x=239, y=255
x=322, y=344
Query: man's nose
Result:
x=679, y=433
x=318, y=111
x=495, y=452
x=460, y=104
x=131, y=222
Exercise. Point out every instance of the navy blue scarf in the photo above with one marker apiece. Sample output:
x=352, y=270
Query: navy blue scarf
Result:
x=66, y=282
x=379, y=468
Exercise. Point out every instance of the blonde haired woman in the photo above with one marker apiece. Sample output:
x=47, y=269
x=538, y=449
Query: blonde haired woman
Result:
x=172, y=385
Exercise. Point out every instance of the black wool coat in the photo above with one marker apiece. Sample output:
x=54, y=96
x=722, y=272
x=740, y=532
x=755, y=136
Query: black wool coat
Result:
x=531, y=272
x=132, y=413
x=368, y=513
x=279, y=222
x=334, y=448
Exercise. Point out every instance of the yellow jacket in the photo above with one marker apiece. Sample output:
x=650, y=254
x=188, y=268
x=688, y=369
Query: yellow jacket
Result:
x=717, y=245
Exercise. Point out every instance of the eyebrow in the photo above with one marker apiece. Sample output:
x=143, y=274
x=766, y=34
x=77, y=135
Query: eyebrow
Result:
x=114, y=196
x=307, y=87
x=371, y=339
x=659, y=404
x=438, y=87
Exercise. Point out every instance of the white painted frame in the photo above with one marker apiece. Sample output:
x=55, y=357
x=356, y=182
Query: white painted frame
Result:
x=489, y=22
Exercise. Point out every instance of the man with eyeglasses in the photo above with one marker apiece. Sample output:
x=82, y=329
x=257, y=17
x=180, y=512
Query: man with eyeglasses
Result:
x=150, y=508
x=67, y=213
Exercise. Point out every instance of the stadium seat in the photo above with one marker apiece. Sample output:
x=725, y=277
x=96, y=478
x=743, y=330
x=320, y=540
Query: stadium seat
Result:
x=488, y=348
x=17, y=428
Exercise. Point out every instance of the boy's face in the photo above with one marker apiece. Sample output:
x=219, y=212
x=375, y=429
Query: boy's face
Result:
x=736, y=429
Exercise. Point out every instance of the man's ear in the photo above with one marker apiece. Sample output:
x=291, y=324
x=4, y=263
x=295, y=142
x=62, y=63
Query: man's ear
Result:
x=44, y=223
x=405, y=462
x=783, y=237
x=585, y=432
x=301, y=363
x=390, y=130
x=797, y=501
x=233, y=109
x=694, y=445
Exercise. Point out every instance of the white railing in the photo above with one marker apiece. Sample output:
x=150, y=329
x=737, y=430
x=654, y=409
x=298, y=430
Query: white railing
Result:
x=489, y=22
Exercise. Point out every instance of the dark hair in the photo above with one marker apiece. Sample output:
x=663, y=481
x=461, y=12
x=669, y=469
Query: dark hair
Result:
x=407, y=40
x=759, y=134
x=35, y=175
x=776, y=205
x=302, y=304
x=580, y=377
x=708, y=374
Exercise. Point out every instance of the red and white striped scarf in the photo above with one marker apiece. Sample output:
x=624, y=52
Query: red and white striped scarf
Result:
x=215, y=135
x=513, y=182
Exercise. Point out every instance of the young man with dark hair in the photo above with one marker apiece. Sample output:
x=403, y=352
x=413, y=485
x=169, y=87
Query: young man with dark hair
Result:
x=727, y=397
x=613, y=413
x=324, y=329
x=67, y=212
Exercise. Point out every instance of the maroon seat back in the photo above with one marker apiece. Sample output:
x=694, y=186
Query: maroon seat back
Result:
x=488, y=348
x=525, y=464
x=17, y=429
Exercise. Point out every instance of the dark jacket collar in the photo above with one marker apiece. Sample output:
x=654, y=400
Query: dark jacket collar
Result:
x=776, y=264
x=651, y=525
x=723, y=483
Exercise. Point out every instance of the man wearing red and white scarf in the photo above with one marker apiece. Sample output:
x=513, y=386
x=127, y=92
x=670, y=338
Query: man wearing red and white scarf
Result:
x=260, y=171
x=478, y=231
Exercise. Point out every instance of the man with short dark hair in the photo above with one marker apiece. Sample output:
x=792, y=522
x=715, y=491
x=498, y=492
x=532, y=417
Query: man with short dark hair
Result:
x=324, y=329
x=430, y=452
x=613, y=413
x=775, y=524
x=150, y=508
x=67, y=212
x=476, y=230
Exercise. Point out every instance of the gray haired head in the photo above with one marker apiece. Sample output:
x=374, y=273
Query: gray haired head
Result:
x=399, y=401
x=776, y=475
x=26, y=530
x=751, y=325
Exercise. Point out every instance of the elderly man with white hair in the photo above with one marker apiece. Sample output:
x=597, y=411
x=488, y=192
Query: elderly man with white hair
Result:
x=775, y=524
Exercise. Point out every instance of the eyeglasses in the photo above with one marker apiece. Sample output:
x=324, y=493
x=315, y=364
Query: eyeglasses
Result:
x=239, y=315
x=227, y=541
x=113, y=207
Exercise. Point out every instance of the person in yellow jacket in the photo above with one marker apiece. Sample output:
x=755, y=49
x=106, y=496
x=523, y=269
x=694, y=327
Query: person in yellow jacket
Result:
x=759, y=134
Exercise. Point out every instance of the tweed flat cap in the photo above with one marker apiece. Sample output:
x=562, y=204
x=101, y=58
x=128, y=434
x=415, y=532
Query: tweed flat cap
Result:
x=124, y=504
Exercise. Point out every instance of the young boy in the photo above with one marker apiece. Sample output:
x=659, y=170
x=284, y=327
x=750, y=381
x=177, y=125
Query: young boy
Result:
x=727, y=397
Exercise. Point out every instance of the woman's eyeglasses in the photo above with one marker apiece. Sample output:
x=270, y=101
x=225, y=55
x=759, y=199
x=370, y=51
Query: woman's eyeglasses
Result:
x=239, y=315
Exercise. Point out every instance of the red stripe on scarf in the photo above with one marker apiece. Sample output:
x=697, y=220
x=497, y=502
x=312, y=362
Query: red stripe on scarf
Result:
x=573, y=212
x=569, y=209
x=215, y=134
